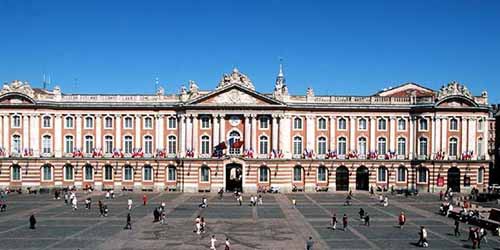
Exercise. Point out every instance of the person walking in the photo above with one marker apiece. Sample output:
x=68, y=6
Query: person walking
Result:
x=309, y=243
x=402, y=220
x=129, y=204
x=367, y=220
x=361, y=213
x=481, y=236
x=129, y=222
x=344, y=222
x=457, y=228
x=334, y=222
x=212, y=242
x=74, y=203
x=228, y=245
x=101, y=208
x=144, y=200
x=260, y=200
x=32, y=221
x=422, y=242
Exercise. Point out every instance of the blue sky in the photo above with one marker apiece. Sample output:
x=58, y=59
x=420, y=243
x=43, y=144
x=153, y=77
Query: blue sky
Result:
x=337, y=47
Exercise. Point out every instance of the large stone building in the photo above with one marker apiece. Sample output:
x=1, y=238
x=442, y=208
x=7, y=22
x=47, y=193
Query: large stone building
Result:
x=237, y=138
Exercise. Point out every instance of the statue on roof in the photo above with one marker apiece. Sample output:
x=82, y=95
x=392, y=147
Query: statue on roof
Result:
x=452, y=89
x=236, y=77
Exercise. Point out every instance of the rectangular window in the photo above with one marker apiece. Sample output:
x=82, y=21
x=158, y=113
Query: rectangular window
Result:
x=128, y=174
x=16, y=173
x=172, y=123
x=108, y=173
x=401, y=174
x=401, y=125
x=205, y=174
x=89, y=174
x=263, y=174
x=322, y=174
x=297, y=174
x=108, y=122
x=16, y=121
x=422, y=175
x=148, y=173
x=89, y=122
x=205, y=123
x=69, y=122
x=128, y=122
x=264, y=123
x=148, y=123
x=47, y=173
x=172, y=175
x=68, y=173
x=382, y=175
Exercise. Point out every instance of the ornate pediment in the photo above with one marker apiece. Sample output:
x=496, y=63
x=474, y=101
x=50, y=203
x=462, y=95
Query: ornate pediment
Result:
x=454, y=89
x=234, y=96
x=18, y=87
x=236, y=77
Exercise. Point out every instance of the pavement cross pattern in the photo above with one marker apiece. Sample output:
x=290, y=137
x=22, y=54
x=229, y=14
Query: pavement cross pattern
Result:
x=274, y=225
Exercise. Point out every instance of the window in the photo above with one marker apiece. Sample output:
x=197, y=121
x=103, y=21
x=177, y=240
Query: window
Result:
x=297, y=123
x=422, y=142
x=148, y=173
x=108, y=173
x=234, y=145
x=382, y=174
x=480, y=175
x=16, y=144
x=342, y=124
x=263, y=174
x=402, y=146
x=401, y=174
x=128, y=173
x=89, y=172
x=322, y=123
x=172, y=173
x=321, y=145
x=16, y=121
x=480, y=125
x=128, y=122
x=362, y=146
x=342, y=146
x=422, y=175
x=264, y=122
x=263, y=145
x=423, y=124
x=205, y=145
x=480, y=147
x=453, y=124
x=69, y=122
x=46, y=122
x=16, y=173
x=68, y=144
x=46, y=144
x=89, y=122
x=68, y=172
x=382, y=146
x=148, y=122
x=172, y=144
x=47, y=172
x=322, y=174
x=108, y=122
x=205, y=122
x=362, y=124
x=172, y=123
x=127, y=144
x=297, y=145
x=297, y=173
x=204, y=174
x=382, y=124
x=401, y=124
x=89, y=144
x=108, y=144
x=453, y=147
x=148, y=144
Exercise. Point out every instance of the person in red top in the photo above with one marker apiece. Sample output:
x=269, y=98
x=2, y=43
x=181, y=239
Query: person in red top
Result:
x=145, y=199
x=402, y=220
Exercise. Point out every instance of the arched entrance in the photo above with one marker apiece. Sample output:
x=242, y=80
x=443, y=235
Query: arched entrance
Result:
x=342, y=179
x=362, y=177
x=454, y=179
x=234, y=177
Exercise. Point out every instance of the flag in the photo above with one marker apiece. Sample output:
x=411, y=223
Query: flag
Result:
x=237, y=144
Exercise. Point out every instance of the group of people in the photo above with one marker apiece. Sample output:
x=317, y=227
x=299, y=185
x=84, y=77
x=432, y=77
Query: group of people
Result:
x=383, y=200
x=213, y=240
x=159, y=213
x=477, y=235
x=344, y=222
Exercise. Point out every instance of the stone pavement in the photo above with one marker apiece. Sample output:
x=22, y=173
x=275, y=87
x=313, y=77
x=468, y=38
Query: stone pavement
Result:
x=275, y=225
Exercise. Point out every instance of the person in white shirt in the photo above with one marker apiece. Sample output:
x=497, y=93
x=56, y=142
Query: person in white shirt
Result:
x=212, y=242
x=129, y=203
x=74, y=202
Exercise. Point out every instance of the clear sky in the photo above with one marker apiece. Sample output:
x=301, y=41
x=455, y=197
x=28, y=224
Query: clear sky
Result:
x=337, y=47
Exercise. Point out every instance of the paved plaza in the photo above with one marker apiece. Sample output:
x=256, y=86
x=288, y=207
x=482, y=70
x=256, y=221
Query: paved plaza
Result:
x=274, y=225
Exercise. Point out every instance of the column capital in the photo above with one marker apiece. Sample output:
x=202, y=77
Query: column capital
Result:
x=116, y=115
x=56, y=115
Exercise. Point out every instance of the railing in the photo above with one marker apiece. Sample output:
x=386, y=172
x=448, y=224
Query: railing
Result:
x=382, y=100
x=118, y=98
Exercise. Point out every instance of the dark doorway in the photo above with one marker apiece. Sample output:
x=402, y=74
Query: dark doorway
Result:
x=234, y=178
x=454, y=179
x=362, y=177
x=342, y=179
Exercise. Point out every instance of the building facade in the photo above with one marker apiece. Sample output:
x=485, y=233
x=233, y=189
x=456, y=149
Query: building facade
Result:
x=233, y=137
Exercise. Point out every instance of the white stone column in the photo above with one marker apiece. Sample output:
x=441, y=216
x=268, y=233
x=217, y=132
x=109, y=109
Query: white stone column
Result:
x=412, y=137
x=310, y=135
x=433, y=138
x=182, y=137
x=333, y=128
x=247, y=132
x=444, y=135
x=6, y=137
x=352, y=133
x=222, y=135
x=215, y=130
x=26, y=127
x=138, y=128
x=98, y=131
x=254, y=133
x=464, y=132
x=284, y=138
x=159, y=133
x=194, y=136
x=78, y=126
x=1, y=131
x=438, y=134
x=372, y=134
x=274, y=132
x=485, y=138
x=392, y=134
x=118, y=131
x=35, y=135
x=58, y=136
x=472, y=135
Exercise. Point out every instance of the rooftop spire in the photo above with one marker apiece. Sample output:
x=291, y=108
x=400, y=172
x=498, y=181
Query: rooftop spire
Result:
x=280, y=73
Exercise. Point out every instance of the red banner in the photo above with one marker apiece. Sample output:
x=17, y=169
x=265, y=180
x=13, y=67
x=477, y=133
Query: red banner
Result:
x=440, y=181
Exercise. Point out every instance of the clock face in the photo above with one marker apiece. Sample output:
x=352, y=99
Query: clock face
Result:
x=234, y=120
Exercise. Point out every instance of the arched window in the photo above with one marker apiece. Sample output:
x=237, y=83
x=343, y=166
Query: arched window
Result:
x=89, y=122
x=422, y=175
x=204, y=174
x=205, y=145
x=108, y=122
x=401, y=124
x=46, y=144
x=68, y=144
x=322, y=123
x=480, y=175
x=68, y=122
x=88, y=172
x=322, y=172
x=128, y=172
x=362, y=146
x=108, y=173
x=362, y=124
x=128, y=122
x=297, y=145
x=342, y=146
x=342, y=124
x=321, y=145
x=382, y=124
x=16, y=121
x=402, y=146
x=382, y=146
x=297, y=173
x=46, y=122
x=127, y=144
x=148, y=122
x=263, y=145
x=234, y=137
x=453, y=124
x=172, y=122
x=480, y=148
x=147, y=173
x=423, y=124
x=15, y=173
x=297, y=123
x=68, y=172
x=172, y=144
x=263, y=174
x=382, y=174
x=89, y=144
x=46, y=172
x=401, y=174
x=453, y=147
x=422, y=142
x=16, y=144
x=148, y=144
x=108, y=144
x=172, y=173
